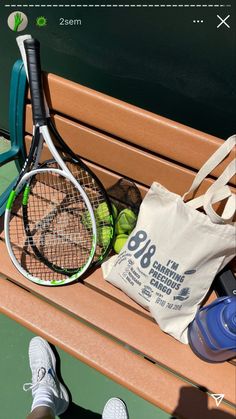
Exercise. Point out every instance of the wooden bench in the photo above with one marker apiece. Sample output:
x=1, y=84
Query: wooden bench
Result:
x=92, y=320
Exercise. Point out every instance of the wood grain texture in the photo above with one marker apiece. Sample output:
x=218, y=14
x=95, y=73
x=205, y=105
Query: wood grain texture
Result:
x=126, y=325
x=142, y=128
x=126, y=159
x=154, y=384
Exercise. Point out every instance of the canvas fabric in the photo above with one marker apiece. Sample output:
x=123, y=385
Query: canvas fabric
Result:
x=175, y=251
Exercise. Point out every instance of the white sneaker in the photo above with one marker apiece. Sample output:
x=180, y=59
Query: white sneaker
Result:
x=43, y=366
x=115, y=409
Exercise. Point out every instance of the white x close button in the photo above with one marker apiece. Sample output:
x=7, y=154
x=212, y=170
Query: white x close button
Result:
x=223, y=21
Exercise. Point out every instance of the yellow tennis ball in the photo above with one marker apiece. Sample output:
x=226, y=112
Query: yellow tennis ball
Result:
x=102, y=213
x=125, y=222
x=104, y=235
x=86, y=220
x=119, y=242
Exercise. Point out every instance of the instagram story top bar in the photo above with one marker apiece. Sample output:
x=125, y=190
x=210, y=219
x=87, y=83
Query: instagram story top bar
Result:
x=109, y=5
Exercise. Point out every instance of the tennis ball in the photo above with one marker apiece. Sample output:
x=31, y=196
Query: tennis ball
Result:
x=102, y=213
x=86, y=220
x=120, y=242
x=125, y=222
x=104, y=235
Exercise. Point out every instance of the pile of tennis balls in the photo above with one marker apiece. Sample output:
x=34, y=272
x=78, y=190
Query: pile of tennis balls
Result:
x=125, y=222
x=102, y=215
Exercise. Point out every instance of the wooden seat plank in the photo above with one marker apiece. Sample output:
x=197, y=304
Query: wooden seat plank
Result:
x=135, y=125
x=97, y=283
x=107, y=177
x=127, y=161
x=132, y=329
x=123, y=158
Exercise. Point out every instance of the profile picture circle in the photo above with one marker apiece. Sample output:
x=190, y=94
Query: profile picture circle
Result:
x=17, y=21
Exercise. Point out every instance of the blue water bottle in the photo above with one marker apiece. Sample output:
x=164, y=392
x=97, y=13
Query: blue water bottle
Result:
x=212, y=334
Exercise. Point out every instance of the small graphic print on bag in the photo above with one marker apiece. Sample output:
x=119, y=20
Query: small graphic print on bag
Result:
x=190, y=272
x=147, y=292
x=184, y=294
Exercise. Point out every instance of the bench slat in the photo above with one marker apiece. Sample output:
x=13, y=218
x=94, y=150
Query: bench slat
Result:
x=107, y=177
x=127, y=161
x=132, y=329
x=135, y=125
x=123, y=158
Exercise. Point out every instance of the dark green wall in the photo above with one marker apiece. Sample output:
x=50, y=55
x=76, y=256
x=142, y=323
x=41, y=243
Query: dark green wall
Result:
x=155, y=58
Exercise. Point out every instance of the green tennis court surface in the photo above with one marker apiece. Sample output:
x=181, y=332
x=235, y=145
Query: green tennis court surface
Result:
x=9, y=170
x=90, y=389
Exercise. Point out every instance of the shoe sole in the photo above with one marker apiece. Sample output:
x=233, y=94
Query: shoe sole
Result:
x=121, y=401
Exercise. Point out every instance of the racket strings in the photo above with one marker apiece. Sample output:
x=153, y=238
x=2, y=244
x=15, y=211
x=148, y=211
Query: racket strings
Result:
x=49, y=229
x=24, y=253
x=61, y=208
x=98, y=201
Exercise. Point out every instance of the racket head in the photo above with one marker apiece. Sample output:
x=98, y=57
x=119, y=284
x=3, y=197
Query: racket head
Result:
x=101, y=206
x=46, y=215
x=94, y=189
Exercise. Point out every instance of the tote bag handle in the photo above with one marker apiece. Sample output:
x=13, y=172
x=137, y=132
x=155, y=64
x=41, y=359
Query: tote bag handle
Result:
x=208, y=199
x=212, y=163
x=219, y=189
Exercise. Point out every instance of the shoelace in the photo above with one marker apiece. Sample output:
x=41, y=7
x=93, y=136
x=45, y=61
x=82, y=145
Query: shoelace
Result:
x=40, y=375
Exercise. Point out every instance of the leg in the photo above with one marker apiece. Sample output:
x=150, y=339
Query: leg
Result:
x=41, y=412
x=50, y=397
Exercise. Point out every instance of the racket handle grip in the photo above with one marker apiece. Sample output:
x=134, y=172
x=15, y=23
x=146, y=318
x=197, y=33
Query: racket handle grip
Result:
x=32, y=49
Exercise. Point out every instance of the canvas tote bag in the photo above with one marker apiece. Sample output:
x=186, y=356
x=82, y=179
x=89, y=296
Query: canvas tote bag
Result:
x=173, y=254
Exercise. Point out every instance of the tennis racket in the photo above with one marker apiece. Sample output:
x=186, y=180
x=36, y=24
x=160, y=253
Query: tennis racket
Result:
x=94, y=189
x=45, y=235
